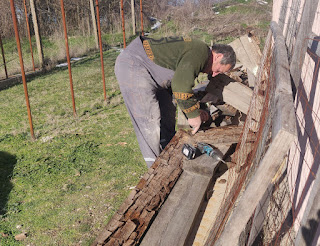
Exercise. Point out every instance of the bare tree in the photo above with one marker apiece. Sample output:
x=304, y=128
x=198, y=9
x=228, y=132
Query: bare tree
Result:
x=37, y=33
x=94, y=23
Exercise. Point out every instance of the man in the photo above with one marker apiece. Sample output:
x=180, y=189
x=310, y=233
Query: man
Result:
x=149, y=71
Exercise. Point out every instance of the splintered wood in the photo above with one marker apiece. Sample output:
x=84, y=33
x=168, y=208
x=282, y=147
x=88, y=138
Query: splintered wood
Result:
x=134, y=217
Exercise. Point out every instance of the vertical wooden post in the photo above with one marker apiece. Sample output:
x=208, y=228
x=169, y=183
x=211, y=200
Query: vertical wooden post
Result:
x=304, y=32
x=15, y=24
x=101, y=52
x=94, y=23
x=3, y=58
x=68, y=56
x=29, y=35
x=141, y=17
x=133, y=18
x=123, y=24
x=37, y=33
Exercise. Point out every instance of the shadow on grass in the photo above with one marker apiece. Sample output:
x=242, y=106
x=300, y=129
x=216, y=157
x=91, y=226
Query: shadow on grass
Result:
x=7, y=163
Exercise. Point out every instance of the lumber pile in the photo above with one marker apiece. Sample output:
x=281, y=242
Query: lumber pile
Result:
x=129, y=224
x=227, y=96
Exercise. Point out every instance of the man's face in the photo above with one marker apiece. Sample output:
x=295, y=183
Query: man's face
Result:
x=217, y=67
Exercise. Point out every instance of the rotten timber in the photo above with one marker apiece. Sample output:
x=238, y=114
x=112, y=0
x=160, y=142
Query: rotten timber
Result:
x=175, y=221
x=248, y=53
x=130, y=222
x=223, y=88
x=226, y=89
x=283, y=134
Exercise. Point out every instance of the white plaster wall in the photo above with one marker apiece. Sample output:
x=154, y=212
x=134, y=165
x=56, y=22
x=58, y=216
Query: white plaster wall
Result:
x=304, y=153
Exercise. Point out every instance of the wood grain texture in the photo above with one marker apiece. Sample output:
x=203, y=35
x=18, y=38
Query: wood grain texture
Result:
x=283, y=134
x=177, y=216
x=233, y=93
x=130, y=223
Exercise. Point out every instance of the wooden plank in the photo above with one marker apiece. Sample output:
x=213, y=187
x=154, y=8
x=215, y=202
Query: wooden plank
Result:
x=242, y=55
x=283, y=134
x=137, y=212
x=251, y=79
x=233, y=93
x=177, y=216
x=300, y=47
x=255, y=189
x=253, y=52
x=211, y=210
x=225, y=135
x=248, y=52
x=260, y=215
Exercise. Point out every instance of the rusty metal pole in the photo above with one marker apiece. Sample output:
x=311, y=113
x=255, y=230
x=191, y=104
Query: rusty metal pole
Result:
x=3, y=58
x=68, y=56
x=141, y=17
x=123, y=25
x=29, y=35
x=101, y=53
x=15, y=24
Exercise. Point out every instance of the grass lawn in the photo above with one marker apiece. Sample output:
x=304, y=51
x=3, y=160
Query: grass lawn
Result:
x=62, y=188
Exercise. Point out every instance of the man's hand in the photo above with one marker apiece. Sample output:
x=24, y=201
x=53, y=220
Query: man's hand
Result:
x=195, y=123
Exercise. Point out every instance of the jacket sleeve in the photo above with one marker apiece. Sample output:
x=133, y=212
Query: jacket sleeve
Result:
x=189, y=67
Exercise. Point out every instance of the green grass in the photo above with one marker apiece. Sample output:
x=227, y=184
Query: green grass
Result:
x=53, y=49
x=63, y=187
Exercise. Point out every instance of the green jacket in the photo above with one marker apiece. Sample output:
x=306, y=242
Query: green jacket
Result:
x=187, y=57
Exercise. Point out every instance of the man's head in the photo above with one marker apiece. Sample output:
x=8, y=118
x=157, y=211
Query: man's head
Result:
x=222, y=59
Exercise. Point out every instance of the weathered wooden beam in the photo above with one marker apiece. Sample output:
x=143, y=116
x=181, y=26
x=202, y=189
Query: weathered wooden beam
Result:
x=283, y=134
x=175, y=220
x=248, y=52
x=225, y=134
x=211, y=210
x=130, y=222
x=304, y=32
x=233, y=93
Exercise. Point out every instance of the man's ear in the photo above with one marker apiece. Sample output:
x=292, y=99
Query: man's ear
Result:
x=219, y=56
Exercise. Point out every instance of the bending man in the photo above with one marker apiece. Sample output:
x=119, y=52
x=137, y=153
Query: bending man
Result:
x=149, y=71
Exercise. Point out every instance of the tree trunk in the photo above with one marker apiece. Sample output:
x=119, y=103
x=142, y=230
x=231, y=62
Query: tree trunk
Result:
x=37, y=33
x=133, y=18
x=94, y=23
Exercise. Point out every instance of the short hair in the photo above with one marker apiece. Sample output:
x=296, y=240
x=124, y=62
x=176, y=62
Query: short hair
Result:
x=229, y=56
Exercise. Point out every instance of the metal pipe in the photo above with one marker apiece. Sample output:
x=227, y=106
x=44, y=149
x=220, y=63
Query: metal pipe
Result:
x=141, y=18
x=15, y=24
x=68, y=57
x=3, y=58
x=123, y=24
x=29, y=36
x=101, y=52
